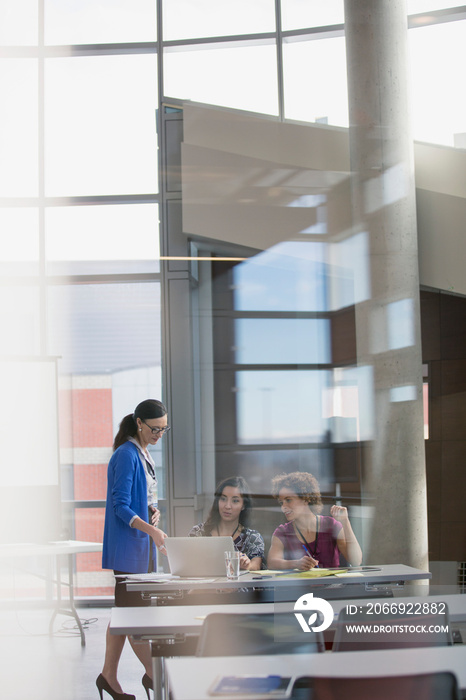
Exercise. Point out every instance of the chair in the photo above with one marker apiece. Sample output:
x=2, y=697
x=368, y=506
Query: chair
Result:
x=390, y=630
x=238, y=634
x=429, y=686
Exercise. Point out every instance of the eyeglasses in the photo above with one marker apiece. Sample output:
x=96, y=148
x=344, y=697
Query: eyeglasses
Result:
x=158, y=432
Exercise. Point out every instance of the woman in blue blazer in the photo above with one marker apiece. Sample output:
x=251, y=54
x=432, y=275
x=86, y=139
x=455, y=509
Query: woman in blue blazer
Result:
x=131, y=533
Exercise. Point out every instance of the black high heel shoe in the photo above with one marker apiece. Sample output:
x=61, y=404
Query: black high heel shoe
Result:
x=102, y=684
x=148, y=684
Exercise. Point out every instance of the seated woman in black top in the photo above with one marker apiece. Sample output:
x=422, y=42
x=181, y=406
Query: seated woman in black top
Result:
x=229, y=516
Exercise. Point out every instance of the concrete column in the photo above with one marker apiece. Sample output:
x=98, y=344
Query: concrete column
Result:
x=388, y=323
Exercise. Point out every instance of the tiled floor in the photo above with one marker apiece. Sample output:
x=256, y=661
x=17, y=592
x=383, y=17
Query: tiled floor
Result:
x=42, y=667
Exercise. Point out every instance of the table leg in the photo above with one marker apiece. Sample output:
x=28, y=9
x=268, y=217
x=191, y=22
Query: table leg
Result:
x=158, y=672
x=59, y=610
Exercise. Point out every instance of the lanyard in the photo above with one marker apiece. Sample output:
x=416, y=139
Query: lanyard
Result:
x=234, y=532
x=307, y=544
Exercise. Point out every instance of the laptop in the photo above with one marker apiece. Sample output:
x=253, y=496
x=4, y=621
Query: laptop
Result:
x=198, y=556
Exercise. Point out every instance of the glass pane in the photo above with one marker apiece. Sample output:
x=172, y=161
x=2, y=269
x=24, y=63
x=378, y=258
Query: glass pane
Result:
x=323, y=95
x=282, y=341
x=299, y=14
x=18, y=127
x=19, y=320
x=102, y=239
x=100, y=125
x=239, y=77
x=438, y=106
x=185, y=19
x=284, y=406
x=99, y=21
x=19, y=233
x=288, y=277
x=18, y=22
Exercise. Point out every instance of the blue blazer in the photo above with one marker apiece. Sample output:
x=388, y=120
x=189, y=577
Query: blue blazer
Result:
x=124, y=547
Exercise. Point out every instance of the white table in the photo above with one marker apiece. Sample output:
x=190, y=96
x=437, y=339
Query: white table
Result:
x=152, y=622
x=10, y=553
x=190, y=678
x=342, y=587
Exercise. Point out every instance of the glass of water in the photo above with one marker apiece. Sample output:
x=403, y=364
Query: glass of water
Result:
x=232, y=560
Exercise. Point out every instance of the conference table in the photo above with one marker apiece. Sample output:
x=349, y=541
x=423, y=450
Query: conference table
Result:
x=365, y=581
x=192, y=678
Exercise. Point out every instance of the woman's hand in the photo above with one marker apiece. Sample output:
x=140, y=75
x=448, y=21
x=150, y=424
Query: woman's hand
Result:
x=340, y=513
x=155, y=516
x=244, y=561
x=306, y=563
x=159, y=536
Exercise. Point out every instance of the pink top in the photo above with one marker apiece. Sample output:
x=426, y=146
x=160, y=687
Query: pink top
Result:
x=325, y=550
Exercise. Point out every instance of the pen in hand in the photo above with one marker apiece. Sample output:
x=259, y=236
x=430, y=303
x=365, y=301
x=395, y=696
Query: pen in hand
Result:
x=308, y=554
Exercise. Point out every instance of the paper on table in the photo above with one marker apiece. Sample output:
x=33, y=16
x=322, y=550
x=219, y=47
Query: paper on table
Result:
x=318, y=573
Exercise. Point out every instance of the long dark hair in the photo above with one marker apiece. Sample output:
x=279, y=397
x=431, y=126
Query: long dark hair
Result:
x=213, y=519
x=150, y=408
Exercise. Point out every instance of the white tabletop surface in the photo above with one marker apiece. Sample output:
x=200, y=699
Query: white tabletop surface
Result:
x=189, y=618
x=389, y=573
x=191, y=677
x=26, y=549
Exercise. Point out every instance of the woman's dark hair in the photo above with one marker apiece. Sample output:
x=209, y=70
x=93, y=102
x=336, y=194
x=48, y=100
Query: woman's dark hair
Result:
x=150, y=408
x=237, y=482
x=303, y=484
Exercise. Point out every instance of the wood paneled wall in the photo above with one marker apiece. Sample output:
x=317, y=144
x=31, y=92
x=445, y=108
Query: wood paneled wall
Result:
x=443, y=324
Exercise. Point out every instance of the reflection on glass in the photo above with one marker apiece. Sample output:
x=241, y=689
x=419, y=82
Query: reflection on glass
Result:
x=18, y=128
x=185, y=19
x=392, y=326
x=320, y=92
x=100, y=125
x=350, y=271
x=403, y=393
x=299, y=14
x=229, y=77
x=18, y=22
x=390, y=187
x=348, y=404
x=437, y=105
x=283, y=406
x=282, y=341
x=99, y=21
x=103, y=239
x=291, y=276
x=400, y=319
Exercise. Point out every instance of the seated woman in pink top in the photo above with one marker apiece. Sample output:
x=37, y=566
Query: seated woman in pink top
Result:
x=309, y=539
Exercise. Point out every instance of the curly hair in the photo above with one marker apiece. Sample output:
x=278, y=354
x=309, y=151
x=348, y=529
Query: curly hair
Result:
x=303, y=484
x=239, y=483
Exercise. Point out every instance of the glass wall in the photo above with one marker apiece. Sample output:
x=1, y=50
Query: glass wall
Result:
x=80, y=86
